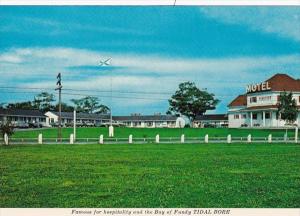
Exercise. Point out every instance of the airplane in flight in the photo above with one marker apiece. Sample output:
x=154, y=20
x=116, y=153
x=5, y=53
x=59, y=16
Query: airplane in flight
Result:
x=105, y=63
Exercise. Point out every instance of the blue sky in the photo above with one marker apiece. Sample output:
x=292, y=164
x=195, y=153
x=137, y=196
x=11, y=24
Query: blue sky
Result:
x=153, y=49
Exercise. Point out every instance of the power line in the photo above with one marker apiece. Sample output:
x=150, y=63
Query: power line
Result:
x=76, y=94
x=102, y=91
x=105, y=96
x=32, y=88
x=87, y=90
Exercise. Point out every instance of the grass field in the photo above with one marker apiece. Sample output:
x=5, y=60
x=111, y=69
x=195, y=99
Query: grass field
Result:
x=151, y=132
x=190, y=175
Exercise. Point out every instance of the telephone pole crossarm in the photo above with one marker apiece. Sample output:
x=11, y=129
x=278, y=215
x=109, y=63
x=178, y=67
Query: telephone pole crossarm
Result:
x=59, y=87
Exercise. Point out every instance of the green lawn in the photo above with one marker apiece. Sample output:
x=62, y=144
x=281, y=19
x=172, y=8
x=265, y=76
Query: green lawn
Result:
x=157, y=175
x=151, y=132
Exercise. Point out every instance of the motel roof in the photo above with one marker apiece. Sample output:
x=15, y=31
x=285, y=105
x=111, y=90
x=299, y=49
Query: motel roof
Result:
x=212, y=117
x=21, y=112
x=82, y=115
x=283, y=82
x=240, y=100
x=266, y=107
x=278, y=82
x=146, y=118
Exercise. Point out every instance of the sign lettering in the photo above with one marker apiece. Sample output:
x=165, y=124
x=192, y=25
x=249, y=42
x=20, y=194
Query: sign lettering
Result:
x=258, y=87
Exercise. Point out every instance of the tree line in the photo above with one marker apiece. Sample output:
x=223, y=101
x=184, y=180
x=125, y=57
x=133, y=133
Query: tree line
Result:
x=45, y=102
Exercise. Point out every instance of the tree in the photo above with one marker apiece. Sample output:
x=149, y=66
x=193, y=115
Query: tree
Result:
x=20, y=105
x=6, y=128
x=102, y=109
x=90, y=105
x=190, y=101
x=64, y=108
x=287, y=107
x=2, y=105
x=43, y=101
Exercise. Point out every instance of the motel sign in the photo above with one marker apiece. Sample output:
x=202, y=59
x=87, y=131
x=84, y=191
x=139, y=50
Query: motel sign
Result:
x=264, y=86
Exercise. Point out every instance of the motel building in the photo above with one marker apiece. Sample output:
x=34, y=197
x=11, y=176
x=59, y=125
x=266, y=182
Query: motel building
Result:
x=148, y=121
x=23, y=118
x=134, y=120
x=211, y=120
x=82, y=119
x=258, y=106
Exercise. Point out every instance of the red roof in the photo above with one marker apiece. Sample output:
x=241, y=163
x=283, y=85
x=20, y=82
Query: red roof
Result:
x=278, y=82
x=267, y=107
x=240, y=100
x=261, y=107
x=283, y=82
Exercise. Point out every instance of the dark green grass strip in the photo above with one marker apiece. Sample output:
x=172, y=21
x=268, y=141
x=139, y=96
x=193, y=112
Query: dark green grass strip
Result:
x=193, y=175
x=152, y=132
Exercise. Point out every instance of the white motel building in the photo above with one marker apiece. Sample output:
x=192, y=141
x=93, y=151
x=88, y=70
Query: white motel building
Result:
x=258, y=106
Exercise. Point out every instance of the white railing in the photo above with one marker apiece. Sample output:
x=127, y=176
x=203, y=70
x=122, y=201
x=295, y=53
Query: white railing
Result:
x=144, y=140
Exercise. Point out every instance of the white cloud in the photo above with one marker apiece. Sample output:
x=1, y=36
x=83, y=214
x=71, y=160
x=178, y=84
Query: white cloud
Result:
x=226, y=77
x=283, y=21
x=10, y=58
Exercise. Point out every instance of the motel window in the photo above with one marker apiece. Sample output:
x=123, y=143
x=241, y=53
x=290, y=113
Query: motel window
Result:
x=237, y=116
x=149, y=124
x=254, y=116
x=265, y=98
x=244, y=116
x=253, y=99
x=268, y=115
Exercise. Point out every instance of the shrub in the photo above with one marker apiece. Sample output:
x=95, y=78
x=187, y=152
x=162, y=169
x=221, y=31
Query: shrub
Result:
x=6, y=128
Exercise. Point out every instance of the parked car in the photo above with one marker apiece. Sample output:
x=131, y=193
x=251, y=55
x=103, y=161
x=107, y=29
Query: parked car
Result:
x=34, y=125
x=22, y=125
x=209, y=126
x=244, y=125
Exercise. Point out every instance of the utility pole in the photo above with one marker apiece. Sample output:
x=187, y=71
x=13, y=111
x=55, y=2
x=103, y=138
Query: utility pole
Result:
x=111, y=127
x=59, y=87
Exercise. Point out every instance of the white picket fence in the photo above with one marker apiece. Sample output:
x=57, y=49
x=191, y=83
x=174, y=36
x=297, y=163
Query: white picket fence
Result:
x=157, y=139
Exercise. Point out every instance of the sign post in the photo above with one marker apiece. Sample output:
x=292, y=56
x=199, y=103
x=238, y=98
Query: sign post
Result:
x=74, y=125
x=296, y=134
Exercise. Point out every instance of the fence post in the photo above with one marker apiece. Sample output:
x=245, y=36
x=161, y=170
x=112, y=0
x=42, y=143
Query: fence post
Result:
x=270, y=138
x=206, y=138
x=5, y=139
x=182, y=138
x=296, y=134
x=229, y=138
x=101, y=139
x=157, y=138
x=72, y=139
x=40, y=139
x=249, y=138
x=130, y=138
x=111, y=131
x=285, y=137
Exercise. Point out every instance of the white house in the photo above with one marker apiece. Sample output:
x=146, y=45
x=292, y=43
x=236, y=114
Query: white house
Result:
x=258, y=106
